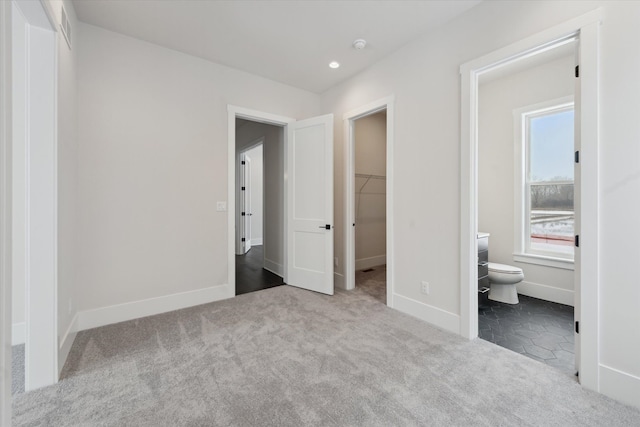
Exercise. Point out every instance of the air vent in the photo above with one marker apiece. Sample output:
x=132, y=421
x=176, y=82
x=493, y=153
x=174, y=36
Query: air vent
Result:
x=65, y=26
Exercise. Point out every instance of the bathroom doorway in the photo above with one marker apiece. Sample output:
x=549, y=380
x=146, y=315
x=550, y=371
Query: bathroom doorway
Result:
x=525, y=206
x=584, y=30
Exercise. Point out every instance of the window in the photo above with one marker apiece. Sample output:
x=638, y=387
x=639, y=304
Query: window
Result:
x=545, y=190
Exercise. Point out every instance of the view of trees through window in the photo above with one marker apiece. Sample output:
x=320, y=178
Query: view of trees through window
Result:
x=550, y=182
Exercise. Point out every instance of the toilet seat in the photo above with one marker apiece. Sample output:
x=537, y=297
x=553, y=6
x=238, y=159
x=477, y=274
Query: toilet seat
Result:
x=504, y=269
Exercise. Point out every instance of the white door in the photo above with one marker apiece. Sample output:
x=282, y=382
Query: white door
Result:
x=244, y=200
x=247, y=204
x=310, y=204
x=576, y=208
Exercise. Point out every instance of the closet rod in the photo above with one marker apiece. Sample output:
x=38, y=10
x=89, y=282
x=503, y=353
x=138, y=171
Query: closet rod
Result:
x=362, y=175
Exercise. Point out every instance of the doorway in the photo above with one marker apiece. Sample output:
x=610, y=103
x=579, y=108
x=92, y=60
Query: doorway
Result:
x=370, y=158
x=369, y=134
x=526, y=224
x=585, y=30
x=307, y=199
x=260, y=209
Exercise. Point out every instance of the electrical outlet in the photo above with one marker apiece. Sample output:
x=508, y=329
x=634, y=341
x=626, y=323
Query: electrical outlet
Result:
x=335, y=261
x=221, y=206
x=425, y=288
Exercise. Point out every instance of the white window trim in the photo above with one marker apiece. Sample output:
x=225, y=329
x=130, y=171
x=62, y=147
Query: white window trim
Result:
x=521, y=252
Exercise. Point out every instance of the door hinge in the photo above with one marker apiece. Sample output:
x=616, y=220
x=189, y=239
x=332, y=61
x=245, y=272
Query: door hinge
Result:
x=243, y=239
x=577, y=241
x=577, y=327
x=242, y=162
x=243, y=214
x=242, y=188
x=577, y=71
x=577, y=156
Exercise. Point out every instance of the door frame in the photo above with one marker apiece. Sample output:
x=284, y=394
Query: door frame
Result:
x=233, y=113
x=38, y=192
x=586, y=27
x=349, y=118
x=5, y=212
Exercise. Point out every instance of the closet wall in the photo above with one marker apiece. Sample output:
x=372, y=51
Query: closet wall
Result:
x=370, y=190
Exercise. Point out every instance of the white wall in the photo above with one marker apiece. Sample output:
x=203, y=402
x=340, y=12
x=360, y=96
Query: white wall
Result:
x=424, y=76
x=497, y=101
x=273, y=161
x=152, y=164
x=255, y=157
x=370, y=136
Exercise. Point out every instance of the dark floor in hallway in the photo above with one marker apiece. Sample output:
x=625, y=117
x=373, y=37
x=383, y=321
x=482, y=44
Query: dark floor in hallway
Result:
x=374, y=282
x=540, y=330
x=250, y=274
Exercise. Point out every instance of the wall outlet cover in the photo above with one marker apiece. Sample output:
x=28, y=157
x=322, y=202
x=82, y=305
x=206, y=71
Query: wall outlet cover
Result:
x=425, y=288
x=221, y=206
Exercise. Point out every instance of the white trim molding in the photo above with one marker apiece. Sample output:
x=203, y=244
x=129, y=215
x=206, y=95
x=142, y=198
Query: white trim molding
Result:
x=18, y=332
x=5, y=212
x=620, y=385
x=339, y=282
x=65, y=343
x=436, y=316
x=102, y=316
x=374, y=261
x=547, y=293
x=274, y=267
x=586, y=27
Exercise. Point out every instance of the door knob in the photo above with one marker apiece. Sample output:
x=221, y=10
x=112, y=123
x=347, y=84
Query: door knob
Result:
x=326, y=227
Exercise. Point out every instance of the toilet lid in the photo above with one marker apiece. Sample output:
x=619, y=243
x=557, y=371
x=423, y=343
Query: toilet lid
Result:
x=503, y=268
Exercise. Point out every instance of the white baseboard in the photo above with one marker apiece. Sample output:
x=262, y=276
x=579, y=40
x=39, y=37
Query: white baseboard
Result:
x=18, y=333
x=364, y=263
x=256, y=242
x=547, y=293
x=66, y=342
x=620, y=386
x=134, y=310
x=339, y=281
x=430, y=314
x=274, y=267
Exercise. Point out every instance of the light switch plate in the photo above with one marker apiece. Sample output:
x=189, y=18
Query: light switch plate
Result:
x=221, y=206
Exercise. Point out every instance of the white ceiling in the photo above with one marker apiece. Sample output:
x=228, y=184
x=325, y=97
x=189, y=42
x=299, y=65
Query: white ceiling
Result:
x=288, y=41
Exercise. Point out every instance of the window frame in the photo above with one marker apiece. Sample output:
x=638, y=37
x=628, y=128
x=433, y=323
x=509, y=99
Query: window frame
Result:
x=522, y=186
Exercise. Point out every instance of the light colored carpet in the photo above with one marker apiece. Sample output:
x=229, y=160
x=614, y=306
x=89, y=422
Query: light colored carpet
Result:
x=17, y=369
x=373, y=282
x=288, y=357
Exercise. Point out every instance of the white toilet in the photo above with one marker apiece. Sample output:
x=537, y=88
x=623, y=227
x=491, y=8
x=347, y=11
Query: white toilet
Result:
x=502, y=282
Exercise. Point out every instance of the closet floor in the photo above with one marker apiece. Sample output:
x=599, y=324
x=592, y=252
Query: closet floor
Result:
x=250, y=273
x=373, y=281
x=540, y=330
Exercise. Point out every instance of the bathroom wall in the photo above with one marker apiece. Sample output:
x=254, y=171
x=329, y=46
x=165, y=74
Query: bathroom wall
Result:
x=248, y=132
x=370, y=199
x=498, y=98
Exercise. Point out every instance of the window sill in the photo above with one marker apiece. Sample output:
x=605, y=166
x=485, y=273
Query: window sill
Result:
x=548, y=261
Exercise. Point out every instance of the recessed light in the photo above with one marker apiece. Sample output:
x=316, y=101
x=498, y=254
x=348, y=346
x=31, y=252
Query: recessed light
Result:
x=334, y=64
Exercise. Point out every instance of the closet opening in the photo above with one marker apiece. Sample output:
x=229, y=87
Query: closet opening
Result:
x=370, y=204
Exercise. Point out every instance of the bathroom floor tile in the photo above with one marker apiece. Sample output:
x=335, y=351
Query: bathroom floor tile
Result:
x=540, y=330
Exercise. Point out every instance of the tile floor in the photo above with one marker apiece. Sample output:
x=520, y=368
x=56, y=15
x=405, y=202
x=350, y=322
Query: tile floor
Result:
x=538, y=329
